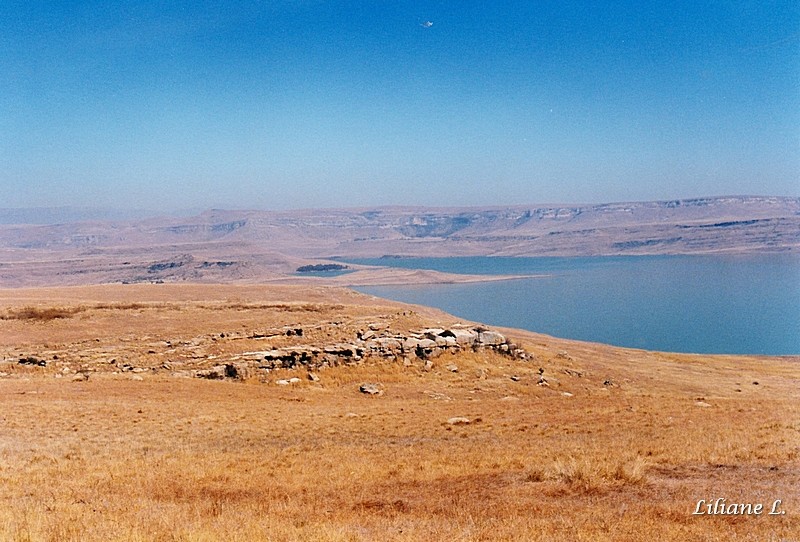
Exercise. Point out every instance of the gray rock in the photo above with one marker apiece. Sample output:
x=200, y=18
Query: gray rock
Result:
x=215, y=373
x=463, y=337
x=370, y=388
x=239, y=371
x=30, y=360
x=491, y=338
x=432, y=333
x=388, y=343
x=458, y=420
x=452, y=368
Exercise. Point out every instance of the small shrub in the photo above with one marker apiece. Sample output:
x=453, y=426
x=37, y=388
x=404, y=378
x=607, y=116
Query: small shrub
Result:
x=42, y=314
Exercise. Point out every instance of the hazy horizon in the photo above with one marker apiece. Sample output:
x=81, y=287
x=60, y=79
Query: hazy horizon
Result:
x=70, y=214
x=186, y=106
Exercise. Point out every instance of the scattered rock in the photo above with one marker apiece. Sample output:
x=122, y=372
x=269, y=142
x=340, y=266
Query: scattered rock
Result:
x=437, y=396
x=137, y=378
x=215, y=373
x=313, y=377
x=30, y=360
x=370, y=389
x=509, y=398
x=80, y=377
x=238, y=371
x=452, y=368
x=515, y=378
x=566, y=394
x=458, y=420
x=702, y=404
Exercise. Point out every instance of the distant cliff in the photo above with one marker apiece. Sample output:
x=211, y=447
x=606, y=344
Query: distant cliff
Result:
x=223, y=245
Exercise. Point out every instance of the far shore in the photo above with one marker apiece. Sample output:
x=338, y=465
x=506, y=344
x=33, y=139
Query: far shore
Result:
x=388, y=276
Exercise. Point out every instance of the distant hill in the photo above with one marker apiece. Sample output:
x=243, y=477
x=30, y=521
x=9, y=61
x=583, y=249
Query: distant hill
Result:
x=226, y=246
x=62, y=215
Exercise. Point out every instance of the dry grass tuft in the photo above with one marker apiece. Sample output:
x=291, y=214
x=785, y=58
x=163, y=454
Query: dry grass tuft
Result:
x=43, y=314
x=596, y=475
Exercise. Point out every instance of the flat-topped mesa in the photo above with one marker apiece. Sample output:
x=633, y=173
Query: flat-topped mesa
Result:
x=373, y=344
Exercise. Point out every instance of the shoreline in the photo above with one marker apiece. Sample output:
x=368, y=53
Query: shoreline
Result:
x=296, y=296
x=393, y=276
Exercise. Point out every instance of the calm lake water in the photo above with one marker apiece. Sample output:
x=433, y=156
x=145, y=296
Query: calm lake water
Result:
x=701, y=304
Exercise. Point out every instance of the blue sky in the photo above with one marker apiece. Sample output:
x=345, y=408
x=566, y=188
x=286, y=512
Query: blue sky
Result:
x=284, y=104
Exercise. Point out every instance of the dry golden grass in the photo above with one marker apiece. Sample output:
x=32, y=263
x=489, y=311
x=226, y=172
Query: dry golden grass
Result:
x=43, y=314
x=177, y=459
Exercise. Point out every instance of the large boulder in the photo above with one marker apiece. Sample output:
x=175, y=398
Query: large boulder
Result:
x=490, y=338
x=463, y=337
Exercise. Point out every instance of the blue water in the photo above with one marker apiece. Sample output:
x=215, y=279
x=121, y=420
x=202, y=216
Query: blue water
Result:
x=702, y=304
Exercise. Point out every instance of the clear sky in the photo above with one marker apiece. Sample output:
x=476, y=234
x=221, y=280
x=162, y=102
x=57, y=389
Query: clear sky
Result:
x=284, y=104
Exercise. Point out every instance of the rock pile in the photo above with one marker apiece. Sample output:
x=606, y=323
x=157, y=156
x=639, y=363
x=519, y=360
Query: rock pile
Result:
x=382, y=344
x=215, y=356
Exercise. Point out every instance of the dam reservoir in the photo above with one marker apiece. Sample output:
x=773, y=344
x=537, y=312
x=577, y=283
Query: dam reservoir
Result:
x=721, y=304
